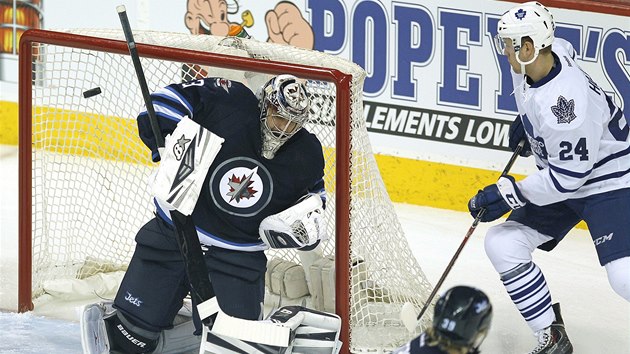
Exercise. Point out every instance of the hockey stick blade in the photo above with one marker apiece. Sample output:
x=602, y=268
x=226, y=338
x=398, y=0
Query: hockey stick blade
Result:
x=408, y=316
x=472, y=228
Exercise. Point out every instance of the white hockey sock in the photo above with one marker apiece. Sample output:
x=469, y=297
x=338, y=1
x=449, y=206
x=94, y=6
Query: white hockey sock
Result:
x=528, y=290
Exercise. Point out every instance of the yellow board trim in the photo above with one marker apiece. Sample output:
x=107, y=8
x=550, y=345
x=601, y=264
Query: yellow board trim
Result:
x=89, y=135
x=432, y=184
x=8, y=123
x=435, y=184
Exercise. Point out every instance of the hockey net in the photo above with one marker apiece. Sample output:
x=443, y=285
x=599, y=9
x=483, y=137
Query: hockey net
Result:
x=84, y=171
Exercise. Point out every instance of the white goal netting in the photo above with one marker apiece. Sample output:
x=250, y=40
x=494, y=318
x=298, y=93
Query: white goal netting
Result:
x=89, y=172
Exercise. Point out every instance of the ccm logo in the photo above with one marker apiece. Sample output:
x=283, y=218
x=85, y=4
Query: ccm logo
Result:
x=598, y=241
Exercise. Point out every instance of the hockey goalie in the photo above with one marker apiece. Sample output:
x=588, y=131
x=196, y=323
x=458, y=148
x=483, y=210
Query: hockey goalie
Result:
x=250, y=177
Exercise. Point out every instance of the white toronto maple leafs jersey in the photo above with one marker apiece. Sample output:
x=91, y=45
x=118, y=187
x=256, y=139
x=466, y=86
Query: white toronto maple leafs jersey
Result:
x=578, y=135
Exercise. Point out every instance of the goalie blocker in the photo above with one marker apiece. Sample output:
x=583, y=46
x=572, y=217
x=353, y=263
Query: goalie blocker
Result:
x=188, y=153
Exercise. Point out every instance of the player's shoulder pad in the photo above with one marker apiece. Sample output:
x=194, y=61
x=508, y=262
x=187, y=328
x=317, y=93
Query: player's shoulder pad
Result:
x=564, y=111
x=311, y=138
x=561, y=47
x=565, y=101
x=309, y=145
x=225, y=84
x=217, y=85
x=211, y=90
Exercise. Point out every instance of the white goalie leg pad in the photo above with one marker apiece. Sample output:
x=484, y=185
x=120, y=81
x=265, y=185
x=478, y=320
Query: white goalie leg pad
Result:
x=298, y=226
x=291, y=329
x=317, y=332
x=179, y=339
x=307, y=258
x=262, y=332
x=286, y=279
x=217, y=344
x=94, y=336
x=322, y=274
x=234, y=335
x=185, y=160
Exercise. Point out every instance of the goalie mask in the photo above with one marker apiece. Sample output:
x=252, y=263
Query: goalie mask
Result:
x=531, y=19
x=284, y=110
x=462, y=317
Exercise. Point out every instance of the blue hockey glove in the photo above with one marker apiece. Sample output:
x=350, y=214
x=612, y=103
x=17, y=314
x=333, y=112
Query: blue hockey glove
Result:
x=497, y=199
x=516, y=134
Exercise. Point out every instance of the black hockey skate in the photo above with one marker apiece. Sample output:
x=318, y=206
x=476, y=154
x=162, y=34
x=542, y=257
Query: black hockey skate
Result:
x=553, y=339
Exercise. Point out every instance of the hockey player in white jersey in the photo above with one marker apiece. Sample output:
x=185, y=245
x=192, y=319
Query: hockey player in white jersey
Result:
x=581, y=146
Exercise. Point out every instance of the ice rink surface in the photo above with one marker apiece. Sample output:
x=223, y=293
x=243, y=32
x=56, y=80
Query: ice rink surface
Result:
x=597, y=320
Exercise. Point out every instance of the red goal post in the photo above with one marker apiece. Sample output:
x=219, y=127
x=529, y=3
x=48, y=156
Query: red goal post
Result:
x=64, y=146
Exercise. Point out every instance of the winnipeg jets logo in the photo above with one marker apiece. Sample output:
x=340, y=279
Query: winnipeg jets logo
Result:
x=224, y=83
x=564, y=110
x=520, y=14
x=241, y=187
x=180, y=147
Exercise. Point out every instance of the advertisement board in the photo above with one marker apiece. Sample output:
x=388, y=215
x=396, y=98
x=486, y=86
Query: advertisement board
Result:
x=438, y=98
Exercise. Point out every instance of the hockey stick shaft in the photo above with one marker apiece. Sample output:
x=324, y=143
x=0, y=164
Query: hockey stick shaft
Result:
x=472, y=228
x=184, y=227
x=135, y=58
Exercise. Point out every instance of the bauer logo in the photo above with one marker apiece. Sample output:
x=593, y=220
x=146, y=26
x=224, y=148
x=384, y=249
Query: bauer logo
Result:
x=131, y=338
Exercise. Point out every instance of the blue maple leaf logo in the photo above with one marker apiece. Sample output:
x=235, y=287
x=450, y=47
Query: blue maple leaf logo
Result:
x=520, y=14
x=564, y=110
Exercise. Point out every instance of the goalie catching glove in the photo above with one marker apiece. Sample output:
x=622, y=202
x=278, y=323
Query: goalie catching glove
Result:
x=300, y=226
x=497, y=199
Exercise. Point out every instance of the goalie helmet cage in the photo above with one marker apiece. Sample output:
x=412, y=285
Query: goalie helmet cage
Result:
x=83, y=169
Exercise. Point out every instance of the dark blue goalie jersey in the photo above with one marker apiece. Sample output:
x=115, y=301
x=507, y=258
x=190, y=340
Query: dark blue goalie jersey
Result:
x=241, y=187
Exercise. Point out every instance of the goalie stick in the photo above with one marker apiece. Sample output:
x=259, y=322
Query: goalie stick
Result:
x=407, y=312
x=201, y=289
